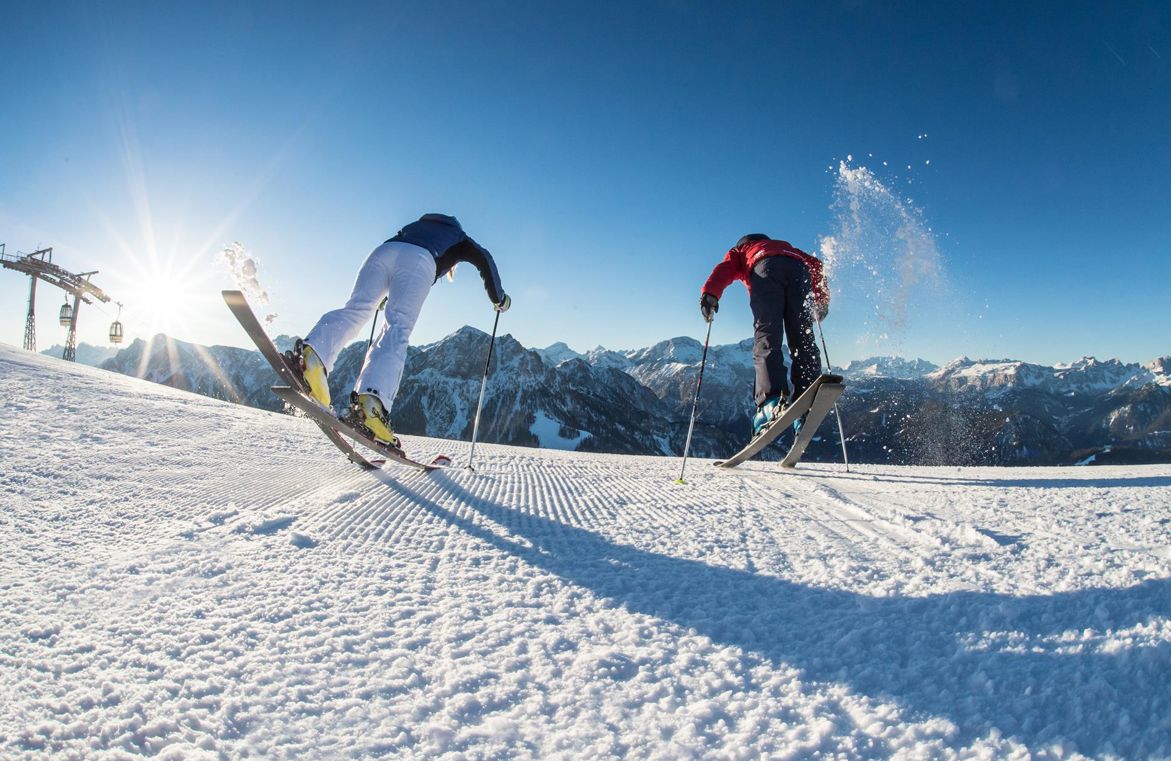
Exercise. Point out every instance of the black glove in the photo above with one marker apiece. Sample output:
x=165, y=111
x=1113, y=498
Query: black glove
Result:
x=820, y=310
x=504, y=304
x=708, y=306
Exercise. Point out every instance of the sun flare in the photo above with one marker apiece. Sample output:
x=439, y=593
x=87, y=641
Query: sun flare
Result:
x=159, y=302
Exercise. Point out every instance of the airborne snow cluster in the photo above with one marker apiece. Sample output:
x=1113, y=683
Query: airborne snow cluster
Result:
x=881, y=251
x=244, y=271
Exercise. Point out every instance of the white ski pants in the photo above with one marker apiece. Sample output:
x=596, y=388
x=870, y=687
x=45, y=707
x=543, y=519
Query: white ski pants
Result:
x=404, y=274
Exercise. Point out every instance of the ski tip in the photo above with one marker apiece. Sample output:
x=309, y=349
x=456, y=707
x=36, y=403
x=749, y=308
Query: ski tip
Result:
x=441, y=461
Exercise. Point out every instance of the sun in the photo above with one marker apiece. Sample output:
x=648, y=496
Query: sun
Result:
x=158, y=301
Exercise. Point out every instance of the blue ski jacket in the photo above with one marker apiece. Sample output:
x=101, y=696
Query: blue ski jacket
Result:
x=443, y=236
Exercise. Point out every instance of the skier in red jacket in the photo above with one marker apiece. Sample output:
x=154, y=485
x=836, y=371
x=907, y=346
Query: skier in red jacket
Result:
x=786, y=290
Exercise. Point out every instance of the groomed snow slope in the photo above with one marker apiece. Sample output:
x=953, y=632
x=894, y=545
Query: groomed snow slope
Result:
x=194, y=579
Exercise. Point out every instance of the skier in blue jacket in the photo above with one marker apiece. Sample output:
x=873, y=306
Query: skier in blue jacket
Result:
x=401, y=270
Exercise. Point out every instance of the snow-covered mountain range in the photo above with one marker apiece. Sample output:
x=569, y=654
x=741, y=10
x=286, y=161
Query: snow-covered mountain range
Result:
x=638, y=401
x=1086, y=376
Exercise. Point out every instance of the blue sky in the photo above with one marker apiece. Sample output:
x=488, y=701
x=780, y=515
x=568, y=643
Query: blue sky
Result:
x=608, y=154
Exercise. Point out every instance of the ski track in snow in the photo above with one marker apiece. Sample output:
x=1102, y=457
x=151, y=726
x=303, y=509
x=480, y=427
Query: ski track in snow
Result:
x=191, y=579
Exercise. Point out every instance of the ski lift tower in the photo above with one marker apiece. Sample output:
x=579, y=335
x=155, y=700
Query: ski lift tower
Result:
x=39, y=265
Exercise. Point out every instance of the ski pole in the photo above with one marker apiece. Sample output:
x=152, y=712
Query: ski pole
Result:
x=837, y=412
x=483, y=386
x=695, y=403
x=373, y=324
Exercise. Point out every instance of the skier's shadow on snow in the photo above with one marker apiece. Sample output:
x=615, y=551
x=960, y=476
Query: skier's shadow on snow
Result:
x=981, y=660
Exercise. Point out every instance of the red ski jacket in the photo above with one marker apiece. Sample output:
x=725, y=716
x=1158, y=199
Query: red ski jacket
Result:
x=739, y=261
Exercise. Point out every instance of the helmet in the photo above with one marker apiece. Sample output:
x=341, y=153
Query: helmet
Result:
x=750, y=237
x=442, y=219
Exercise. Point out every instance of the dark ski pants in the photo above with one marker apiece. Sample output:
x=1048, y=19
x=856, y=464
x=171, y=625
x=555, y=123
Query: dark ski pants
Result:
x=780, y=290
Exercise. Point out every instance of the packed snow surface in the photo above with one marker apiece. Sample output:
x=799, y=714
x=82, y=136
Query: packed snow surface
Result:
x=187, y=578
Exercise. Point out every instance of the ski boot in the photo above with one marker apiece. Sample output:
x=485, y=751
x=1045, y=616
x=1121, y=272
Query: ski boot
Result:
x=766, y=413
x=370, y=415
x=799, y=423
x=308, y=365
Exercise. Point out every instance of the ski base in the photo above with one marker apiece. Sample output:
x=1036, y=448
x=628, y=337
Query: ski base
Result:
x=247, y=319
x=325, y=418
x=827, y=397
x=789, y=415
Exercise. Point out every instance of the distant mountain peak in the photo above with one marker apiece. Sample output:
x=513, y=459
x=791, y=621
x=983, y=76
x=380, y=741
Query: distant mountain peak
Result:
x=889, y=367
x=556, y=353
x=1086, y=362
x=678, y=349
x=1159, y=365
x=86, y=354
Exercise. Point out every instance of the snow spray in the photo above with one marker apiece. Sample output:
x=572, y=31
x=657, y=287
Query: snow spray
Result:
x=242, y=266
x=881, y=253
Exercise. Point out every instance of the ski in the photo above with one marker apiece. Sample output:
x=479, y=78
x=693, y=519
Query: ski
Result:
x=326, y=419
x=827, y=396
x=247, y=319
x=789, y=416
